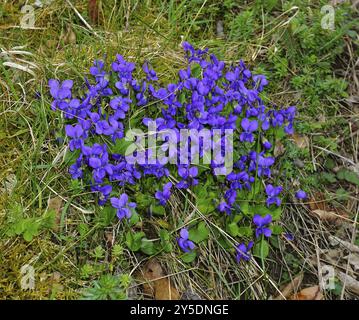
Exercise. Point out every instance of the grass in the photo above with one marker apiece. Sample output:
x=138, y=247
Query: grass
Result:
x=307, y=66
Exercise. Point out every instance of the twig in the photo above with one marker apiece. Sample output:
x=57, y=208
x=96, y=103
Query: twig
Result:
x=349, y=246
x=82, y=19
x=336, y=154
x=350, y=283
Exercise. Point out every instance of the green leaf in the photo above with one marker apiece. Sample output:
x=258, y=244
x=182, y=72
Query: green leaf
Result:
x=134, y=240
x=98, y=252
x=262, y=210
x=280, y=133
x=134, y=217
x=147, y=247
x=167, y=247
x=158, y=210
x=31, y=229
x=233, y=229
x=329, y=177
x=224, y=242
x=329, y=164
x=256, y=190
x=28, y=235
x=164, y=235
x=245, y=231
x=277, y=229
x=237, y=218
x=143, y=200
x=71, y=156
x=106, y=216
x=204, y=197
x=244, y=207
x=342, y=194
x=182, y=97
x=82, y=228
x=76, y=185
x=274, y=242
x=165, y=241
x=349, y=176
x=196, y=70
x=261, y=249
x=189, y=256
x=199, y=234
x=121, y=146
x=276, y=213
x=48, y=220
x=19, y=227
x=203, y=168
x=205, y=206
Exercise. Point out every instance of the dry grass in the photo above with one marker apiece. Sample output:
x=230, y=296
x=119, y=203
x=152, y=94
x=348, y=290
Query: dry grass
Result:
x=64, y=47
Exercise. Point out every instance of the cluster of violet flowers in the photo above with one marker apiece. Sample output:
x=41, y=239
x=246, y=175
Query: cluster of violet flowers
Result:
x=220, y=96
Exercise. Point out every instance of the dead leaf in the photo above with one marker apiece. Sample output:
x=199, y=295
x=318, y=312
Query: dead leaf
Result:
x=109, y=239
x=278, y=149
x=302, y=142
x=290, y=288
x=336, y=2
x=311, y=293
x=69, y=37
x=351, y=247
x=328, y=216
x=219, y=27
x=322, y=118
x=158, y=285
x=350, y=283
x=55, y=204
x=354, y=261
x=333, y=253
x=8, y=183
x=321, y=209
x=56, y=283
x=318, y=202
x=93, y=11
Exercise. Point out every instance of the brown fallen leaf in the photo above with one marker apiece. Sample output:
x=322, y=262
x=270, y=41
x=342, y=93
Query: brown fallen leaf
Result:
x=302, y=142
x=349, y=246
x=68, y=36
x=329, y=216
x=93, y=11
x=311, y=293
x=109, y=239
x=354, y=261
x=290, y=288
x=55, y=204
x=321, y=209
x=158, y=285
x=51, y=282
x=8, y=183
x=279, y=149
x=350, y=283
x=318, y=202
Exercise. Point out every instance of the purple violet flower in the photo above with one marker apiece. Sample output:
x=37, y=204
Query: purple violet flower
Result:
x=272, y=193
x=243, y=251
x=248, y=127
x=75, y=132
x=184, y=243
x=60, y=91
x=123, y=206
x=188, y=175
x=262, y=223
x=163, y=196
x=300, y=194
